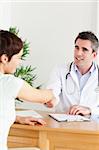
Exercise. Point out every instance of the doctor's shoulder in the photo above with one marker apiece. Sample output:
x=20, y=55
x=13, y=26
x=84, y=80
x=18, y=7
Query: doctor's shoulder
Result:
x=63, y=68
x=60, y=70
x=60, y=67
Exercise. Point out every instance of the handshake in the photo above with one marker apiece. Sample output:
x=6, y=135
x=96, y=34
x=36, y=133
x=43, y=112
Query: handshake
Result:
x=50, y=98
x=52, y=103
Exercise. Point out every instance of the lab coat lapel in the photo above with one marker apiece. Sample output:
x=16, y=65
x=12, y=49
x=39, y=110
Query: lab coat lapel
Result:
x=74, y=76
x=92, y=79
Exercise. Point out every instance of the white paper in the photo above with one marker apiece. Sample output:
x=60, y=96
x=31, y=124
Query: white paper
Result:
x=29, y=113
x=65, y=117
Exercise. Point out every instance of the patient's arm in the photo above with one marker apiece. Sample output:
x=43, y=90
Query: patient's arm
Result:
x=32, y=94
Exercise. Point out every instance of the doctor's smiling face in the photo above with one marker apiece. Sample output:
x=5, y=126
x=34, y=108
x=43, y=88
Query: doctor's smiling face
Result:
x=84, y=54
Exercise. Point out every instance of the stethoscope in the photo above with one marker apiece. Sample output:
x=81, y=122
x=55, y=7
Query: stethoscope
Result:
x=72, y=91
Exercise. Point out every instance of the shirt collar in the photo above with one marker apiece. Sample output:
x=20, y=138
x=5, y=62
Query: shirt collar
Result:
x=93, y=67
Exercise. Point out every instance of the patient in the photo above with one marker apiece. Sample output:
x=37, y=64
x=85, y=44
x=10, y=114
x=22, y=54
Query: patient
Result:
x=11, y=87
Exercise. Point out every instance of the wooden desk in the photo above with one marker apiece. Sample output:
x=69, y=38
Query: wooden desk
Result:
x=56, y=136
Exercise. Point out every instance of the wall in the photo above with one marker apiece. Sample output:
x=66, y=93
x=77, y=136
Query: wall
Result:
x=5, y=14
x=51, y=28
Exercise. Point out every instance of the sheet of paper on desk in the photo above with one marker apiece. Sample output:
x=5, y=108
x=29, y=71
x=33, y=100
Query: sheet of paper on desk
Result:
x=31, y=113
x=64, y=117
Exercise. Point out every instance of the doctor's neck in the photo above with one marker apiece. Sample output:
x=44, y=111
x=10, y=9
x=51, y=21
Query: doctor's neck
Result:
x=84, y=69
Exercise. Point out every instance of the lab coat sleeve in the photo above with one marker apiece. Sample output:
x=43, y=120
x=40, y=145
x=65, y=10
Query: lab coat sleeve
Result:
x=54, y=83
x=95, y=109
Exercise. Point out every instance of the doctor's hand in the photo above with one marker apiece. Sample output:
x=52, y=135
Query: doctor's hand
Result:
x=79, y=110
x=29, y=120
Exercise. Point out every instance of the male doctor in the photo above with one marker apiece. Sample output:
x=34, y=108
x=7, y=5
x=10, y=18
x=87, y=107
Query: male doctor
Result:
x=74, y=86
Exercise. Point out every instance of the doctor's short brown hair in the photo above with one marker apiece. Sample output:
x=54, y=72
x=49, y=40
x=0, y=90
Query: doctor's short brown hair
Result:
x=88, y=35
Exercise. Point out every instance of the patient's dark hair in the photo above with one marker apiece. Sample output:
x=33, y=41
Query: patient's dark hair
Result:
x=10, y=44
x=88, y=35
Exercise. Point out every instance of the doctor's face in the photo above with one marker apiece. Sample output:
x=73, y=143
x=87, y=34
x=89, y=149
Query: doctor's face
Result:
x=83, y=53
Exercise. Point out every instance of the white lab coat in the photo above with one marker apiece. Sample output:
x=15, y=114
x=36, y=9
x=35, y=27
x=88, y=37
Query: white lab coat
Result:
x=69, y=94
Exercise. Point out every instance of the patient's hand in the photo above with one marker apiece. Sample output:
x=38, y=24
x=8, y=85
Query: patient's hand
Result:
x=29, y=120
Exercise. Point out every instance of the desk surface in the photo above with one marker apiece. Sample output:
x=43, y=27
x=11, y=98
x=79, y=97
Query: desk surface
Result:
x=54, y=130
x=86, y=126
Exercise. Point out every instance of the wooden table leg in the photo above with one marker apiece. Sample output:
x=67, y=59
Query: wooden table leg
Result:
x=43, y=141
